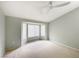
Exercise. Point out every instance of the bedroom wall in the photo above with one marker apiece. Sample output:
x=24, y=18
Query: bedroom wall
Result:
x=13, y=32
x=2, y=34
x=66, y=29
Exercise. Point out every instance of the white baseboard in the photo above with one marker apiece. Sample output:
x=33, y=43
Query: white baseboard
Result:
x=64, y=45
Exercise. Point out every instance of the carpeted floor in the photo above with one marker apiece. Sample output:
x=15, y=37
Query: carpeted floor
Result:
x=43, y=49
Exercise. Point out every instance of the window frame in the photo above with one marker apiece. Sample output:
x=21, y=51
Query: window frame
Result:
x=40, y=24
x=33, y=24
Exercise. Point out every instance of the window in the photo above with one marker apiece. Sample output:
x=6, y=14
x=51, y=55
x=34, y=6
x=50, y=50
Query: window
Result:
x=24, y=31
x=23, y=34
x=33, y=30
x=42, y=30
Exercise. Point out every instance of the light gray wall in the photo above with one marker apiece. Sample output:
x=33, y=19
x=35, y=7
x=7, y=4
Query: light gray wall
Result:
x=2, y=34
x=13, y=32
x=66, y=29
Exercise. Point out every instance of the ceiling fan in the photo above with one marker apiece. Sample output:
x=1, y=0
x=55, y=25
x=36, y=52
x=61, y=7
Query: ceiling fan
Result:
x=55, y=4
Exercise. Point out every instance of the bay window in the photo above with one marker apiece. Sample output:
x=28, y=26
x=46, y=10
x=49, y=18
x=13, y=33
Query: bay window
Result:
x=32, y=31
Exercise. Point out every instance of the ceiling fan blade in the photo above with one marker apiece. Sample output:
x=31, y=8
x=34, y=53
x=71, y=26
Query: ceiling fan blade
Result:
x=61, y=5
x=49, y=7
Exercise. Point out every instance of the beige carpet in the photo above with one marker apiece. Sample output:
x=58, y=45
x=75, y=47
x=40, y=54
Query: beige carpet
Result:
x=43, y=49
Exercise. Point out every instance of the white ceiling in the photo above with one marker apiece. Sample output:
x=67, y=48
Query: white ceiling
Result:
x=33, y=10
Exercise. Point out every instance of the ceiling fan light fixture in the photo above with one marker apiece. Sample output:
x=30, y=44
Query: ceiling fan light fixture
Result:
x=56, y=4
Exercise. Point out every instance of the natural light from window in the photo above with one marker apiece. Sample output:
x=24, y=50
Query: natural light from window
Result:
x=33, y=30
